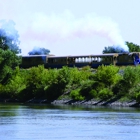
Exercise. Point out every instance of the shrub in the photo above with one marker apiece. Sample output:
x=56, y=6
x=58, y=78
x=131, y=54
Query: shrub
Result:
x=93, y=93
x=98, y=85
x=86, y=87
x=131, y=76
x=14, y=86
x=105, y=94
x=36, y=81
x=78, y=76
x=75, y=94
x=107, y=75
x=129, y=83
x=138, y=97
x=57, y=83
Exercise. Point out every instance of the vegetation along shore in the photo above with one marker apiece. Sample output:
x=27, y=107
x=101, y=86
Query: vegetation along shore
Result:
x=106, y=85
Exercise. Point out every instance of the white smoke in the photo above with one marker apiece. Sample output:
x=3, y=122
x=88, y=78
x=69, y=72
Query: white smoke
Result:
x=65, y=26
x=56, y=31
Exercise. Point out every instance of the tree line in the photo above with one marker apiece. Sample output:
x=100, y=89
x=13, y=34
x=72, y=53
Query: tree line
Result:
x=104, y=83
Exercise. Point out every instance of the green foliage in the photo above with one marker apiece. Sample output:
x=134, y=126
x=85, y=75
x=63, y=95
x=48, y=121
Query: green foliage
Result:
x=75, y=95
x=133, y=47
x=16, y=84
x=127, y=85
x=105, y=94
x=86, y=68
x=78, y=76
x=86, y=88
x=63, y=77
x=51, y=84
x=138, y=97
x=8, y=61
x=57, y=82
x=107, y=75
x=3, y=94
x=131, y=76
x=93, y=94
x=98, y=85
x=113, y=49
x=36, y=79
x=8, y=49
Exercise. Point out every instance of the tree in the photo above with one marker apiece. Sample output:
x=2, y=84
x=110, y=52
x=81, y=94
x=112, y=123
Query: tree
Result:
x=113, y=49
x=8, y=49
x=133, y=47
x=57, y=82
x=39, y=51
x=129, y=82
x=107, y=75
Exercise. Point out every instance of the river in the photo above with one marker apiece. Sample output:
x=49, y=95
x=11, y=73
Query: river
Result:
x=50, y=122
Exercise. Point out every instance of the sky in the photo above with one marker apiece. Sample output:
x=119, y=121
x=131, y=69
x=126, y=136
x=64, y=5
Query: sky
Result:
x=73, y=27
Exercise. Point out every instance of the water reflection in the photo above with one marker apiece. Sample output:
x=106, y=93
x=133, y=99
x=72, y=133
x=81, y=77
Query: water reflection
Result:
x=41, y=122
x=8, y=110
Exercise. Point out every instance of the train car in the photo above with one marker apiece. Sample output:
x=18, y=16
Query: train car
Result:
x=94, y=61
x=103, y=59
x=125, y=59
x=56, y=61
x=33, y=60
x=80, y=61
x=70, y=61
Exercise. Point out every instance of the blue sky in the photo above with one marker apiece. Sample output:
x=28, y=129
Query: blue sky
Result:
x=73, y=27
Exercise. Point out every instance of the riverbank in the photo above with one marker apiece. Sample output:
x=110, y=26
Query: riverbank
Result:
x=91, y=102
x=97, y=103
x=39, y=85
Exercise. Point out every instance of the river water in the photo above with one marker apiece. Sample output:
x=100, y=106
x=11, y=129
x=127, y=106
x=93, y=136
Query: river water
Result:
x=50, y=122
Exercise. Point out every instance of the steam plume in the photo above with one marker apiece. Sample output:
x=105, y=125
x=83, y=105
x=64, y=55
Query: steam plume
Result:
x=8, y=31
x=39, y=51
x=43, y=30
x=65, y=26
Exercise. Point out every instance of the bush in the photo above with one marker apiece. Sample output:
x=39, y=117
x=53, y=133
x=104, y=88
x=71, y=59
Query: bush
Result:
x=56, y=83
x=98, y=85
x=16, y=84
x=131, y=76
x=138, y=97
x=129, y=83
x=107, y=75
x=105, y=94
x=93, y=93
x=78, y=76
x=75, y=94
x=86, y=87
x=36, y=79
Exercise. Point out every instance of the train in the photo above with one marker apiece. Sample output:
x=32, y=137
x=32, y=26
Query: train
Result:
x=94, y=61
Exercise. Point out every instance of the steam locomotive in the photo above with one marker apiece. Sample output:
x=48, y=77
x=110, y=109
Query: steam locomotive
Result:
x=94, y=61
